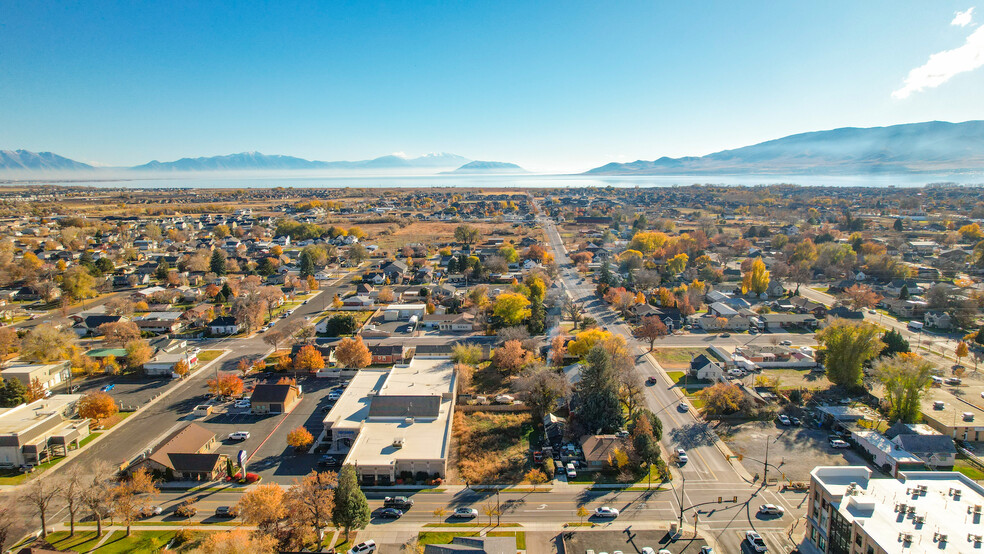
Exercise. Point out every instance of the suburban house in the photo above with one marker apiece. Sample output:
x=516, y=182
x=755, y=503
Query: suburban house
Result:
x=163, y=363
x=185, y=455
x=389, y=354
x=705, y=368
x=885, y=454
x=778, y=322
x=160, y=322
x=274, y=399
x=937, y=451
x=598, y=448
x=224, y=325
x=393, y=423
x=32, y=433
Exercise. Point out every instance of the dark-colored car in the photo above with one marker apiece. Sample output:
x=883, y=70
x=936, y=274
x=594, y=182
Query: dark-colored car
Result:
x=651, y=380
x=401, y=502
x=329, y=461
x=390, y=513
x=225, y=511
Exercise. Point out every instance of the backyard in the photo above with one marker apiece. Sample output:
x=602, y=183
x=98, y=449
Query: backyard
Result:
x=492, y=447
x=677, y=358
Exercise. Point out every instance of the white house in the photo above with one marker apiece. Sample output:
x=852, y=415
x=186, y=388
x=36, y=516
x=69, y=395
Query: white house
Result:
x=395, y=312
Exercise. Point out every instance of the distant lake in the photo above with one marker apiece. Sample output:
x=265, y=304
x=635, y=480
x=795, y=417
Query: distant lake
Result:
x=299, y=179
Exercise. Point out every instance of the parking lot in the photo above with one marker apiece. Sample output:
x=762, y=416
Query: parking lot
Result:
x=269, y=454
x=793, y=450
x=131, y=391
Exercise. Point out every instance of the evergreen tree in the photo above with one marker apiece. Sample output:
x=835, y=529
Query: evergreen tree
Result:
x=12, y=393
x=904, y=293
x=538, y=316
x=898, y=224
x=351, y=507
x=895, y=343
x=226, y=291
x=162, y=271
x=307, y=264
x=606, y=274
x=217, y=264
x=452, y=265
x=265, y=267
x=597, y=407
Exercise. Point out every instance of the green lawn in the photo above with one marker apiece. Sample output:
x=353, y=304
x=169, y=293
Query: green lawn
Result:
x=677, y=358
x=13, y=476
x=606, y=478
x=206, y=356
x=444, y=537
x=968, y=469
x=89, y=439
x=117, y=542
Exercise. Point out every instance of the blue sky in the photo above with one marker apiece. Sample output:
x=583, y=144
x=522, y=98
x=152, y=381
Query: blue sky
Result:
x=551, y=86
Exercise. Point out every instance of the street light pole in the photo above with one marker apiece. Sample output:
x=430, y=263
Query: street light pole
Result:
x=683, y=490
x=765, y=470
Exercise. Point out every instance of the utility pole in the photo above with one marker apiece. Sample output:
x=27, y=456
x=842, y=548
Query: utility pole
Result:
x=683, y=490
x=765, y=470
x=498, y=510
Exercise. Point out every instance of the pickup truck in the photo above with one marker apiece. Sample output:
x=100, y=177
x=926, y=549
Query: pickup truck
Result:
x=400, y=502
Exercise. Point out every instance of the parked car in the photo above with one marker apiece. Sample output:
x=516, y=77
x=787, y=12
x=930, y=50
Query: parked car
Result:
x=682, y=407
x=464, y=512
x=329, y=461
x=784, y=419
x=571, y=472
x=755, y=541
x=334, y=395
x=706, y=550
x=795, y=421
x=606, y=512
x=837, y=443
x=367, y=547
x=954, y=381
x=239, y=435
x=243, y=403
x=724, y=335
x=682, y=456
x=390, y=513
x=771, y=509
x=786, y=342
x=225, y=511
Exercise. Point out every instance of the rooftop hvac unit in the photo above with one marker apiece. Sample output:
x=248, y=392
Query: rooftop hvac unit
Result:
x=974, y=538
x=955, y=491
x=919, y=519
x=408, y=421
x=939, y=537
x=398, y=443
x=922, y=488
x=900, y=507
x=905, y=537
x=911, y=510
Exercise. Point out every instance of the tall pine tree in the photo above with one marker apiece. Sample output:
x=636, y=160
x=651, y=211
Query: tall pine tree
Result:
x=351, y=507
x=597, y=408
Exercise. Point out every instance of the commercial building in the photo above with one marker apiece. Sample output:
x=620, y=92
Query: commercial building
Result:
x=49, y=375
x=32, y=433
x=395, y=423
x=849, y=512
x=274, y=399
x=185, y=455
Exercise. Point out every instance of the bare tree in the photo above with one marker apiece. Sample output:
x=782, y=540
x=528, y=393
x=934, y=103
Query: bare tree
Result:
x=8, y=517
x=573, y=310
x=97, y=496
x=73, y=492
x=42, y=495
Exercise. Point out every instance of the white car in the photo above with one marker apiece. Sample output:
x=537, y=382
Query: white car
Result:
x=756, y=542
x=784, y=419
x=771, y=509
x=243, y=403
x=239, y=435
x=837, y=443
x=367, y=547
x=464, y=512
x=682, y=456
x=607, y=512
x=786, y=343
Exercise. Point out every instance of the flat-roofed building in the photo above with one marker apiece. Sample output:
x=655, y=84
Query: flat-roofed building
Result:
x=49, y=375
x=32, y=433
x=397, y=422
x=849, y=511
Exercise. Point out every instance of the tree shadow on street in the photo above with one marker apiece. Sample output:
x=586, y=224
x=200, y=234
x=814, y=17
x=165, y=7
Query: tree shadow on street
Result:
x=693, y=435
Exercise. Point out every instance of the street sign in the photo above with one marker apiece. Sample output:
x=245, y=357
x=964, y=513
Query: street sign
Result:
x=242, y=461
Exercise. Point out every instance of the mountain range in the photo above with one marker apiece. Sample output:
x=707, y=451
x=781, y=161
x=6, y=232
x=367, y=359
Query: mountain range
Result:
x=932, y=146
x=477, y=167
x=25, y=161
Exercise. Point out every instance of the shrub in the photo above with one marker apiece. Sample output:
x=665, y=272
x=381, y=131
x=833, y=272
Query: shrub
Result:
x=252, y=477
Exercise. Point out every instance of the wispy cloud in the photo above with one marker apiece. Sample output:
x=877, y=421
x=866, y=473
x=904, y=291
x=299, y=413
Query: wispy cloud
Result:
x=942, y=66
x=962, y=19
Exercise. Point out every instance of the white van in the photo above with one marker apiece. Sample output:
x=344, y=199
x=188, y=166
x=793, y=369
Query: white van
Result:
x=570, y=471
